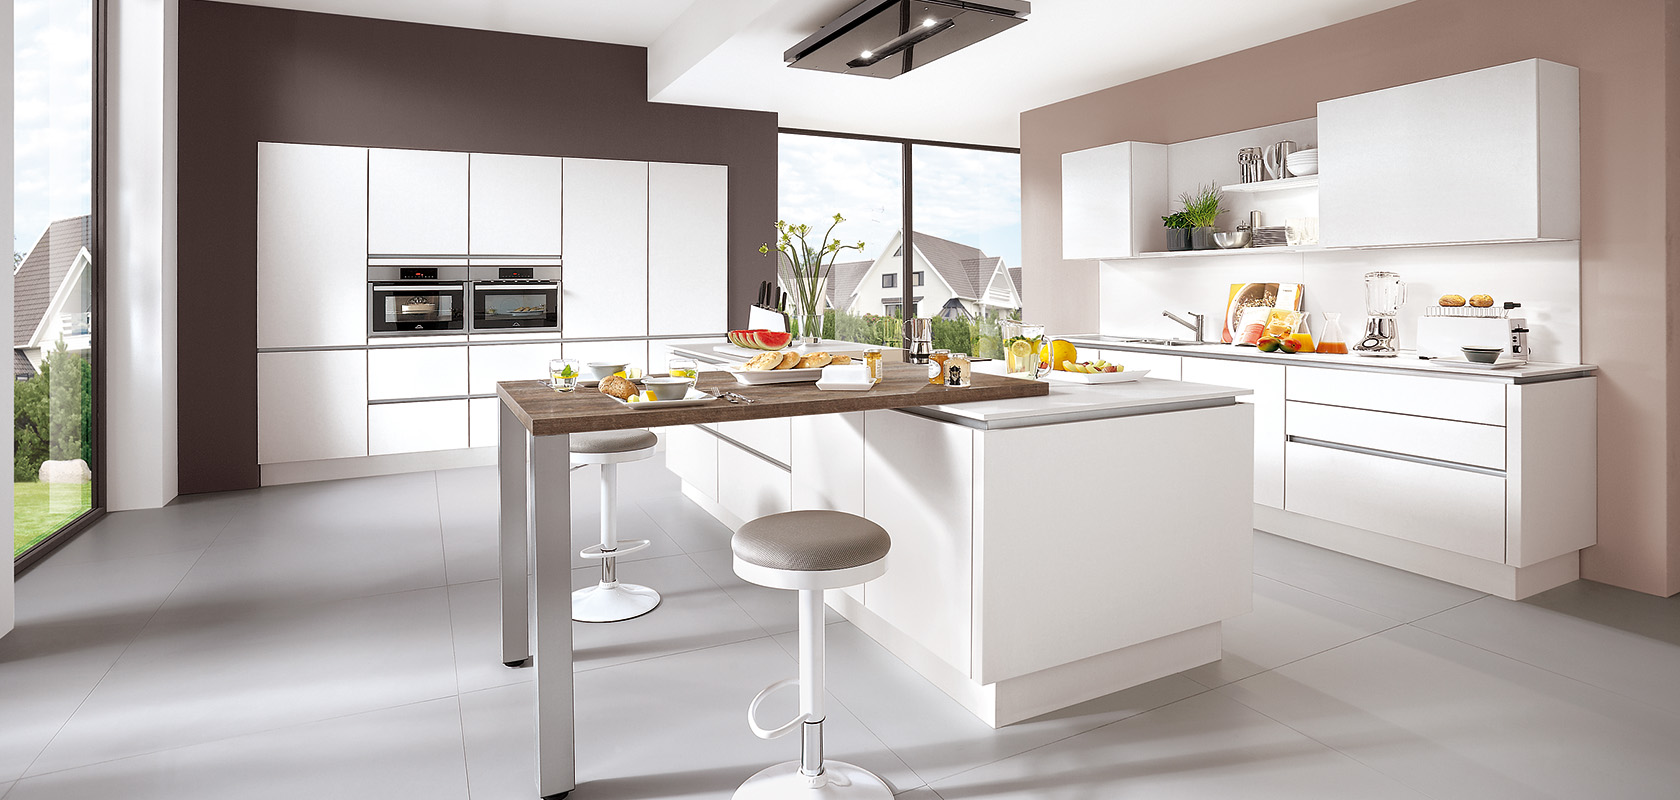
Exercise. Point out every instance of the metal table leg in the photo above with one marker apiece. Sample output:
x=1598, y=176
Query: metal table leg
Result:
x=512, y=460
x=551, y=489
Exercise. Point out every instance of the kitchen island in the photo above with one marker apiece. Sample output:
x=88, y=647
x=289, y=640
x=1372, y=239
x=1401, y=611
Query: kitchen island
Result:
x=1046, y=550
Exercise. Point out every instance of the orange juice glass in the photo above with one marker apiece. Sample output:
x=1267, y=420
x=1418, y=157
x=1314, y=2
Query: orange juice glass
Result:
x=1304, y=339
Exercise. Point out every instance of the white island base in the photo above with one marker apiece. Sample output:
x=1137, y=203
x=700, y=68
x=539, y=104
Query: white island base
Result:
x=1045, y=551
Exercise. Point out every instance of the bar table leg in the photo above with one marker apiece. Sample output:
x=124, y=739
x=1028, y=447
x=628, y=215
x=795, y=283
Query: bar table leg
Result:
x=512, y=460
x=550, y=480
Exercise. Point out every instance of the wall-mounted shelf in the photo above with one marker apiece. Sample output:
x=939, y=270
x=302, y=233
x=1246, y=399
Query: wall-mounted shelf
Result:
x=1232, y=252
x=1278, y=185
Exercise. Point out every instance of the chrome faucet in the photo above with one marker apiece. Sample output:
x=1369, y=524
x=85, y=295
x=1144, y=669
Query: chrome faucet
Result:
x=1195, y=327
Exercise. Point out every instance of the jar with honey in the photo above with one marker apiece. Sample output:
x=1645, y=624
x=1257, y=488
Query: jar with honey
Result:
x=936, y=367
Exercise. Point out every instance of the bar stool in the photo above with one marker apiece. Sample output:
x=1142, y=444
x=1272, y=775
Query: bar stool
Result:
x=809, y=551
x=609, y=600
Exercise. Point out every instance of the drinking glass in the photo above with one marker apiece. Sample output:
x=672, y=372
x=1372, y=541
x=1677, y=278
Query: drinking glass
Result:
x=1022, y=342
x=683, y=368
x=563, y=374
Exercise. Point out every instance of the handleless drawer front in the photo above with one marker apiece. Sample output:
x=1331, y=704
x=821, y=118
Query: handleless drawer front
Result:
x=417, y=427
x=772, y=437
x=1451, y=509
x=1425, y=437
x=1443, y=398
x=402, y=372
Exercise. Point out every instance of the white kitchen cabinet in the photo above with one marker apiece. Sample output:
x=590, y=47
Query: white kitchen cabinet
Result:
x=1159, y=365
x=688, y=249
x=492, y=363
x=748, y=486
x=1425, y=437
x=398, y=372
x=311, y=405
x=1487, y=155
x=1418, y=395
x=606, y=248
x=515, y=205
x=918, y=477
x=311, y=246
x=1112, y=199
x=828, y=462
x=416, y=202
x=770, y=437
x=1266, y=381
x=692, y=453
x=483, y=421
x=416, y=427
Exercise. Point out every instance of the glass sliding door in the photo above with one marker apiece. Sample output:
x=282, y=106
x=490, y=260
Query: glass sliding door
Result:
x=54, y=279
x=966, y=204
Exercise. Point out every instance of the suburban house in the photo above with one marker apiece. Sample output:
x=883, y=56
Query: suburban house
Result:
x=51, y=297
x=951, y=281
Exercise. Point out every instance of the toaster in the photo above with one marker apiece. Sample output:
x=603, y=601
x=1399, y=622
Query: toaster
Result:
x=1441, y=336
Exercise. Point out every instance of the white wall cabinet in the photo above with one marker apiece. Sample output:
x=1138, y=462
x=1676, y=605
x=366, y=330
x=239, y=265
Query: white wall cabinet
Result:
x=311, y=246
x=416, y=427
x=398, y=372
x=417, y=202
x=1487, y=155
x=1266, y=382
x=606, y=248
x=515, y=205
x=688, y=249
x=1109, y=199
x=311, y=405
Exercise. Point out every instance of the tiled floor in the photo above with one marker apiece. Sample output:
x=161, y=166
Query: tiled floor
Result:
x=339, y=640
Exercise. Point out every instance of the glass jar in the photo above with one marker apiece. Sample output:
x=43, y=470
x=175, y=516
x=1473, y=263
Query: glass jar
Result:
x=872, y=360
x=959, y=371
x=936, y=367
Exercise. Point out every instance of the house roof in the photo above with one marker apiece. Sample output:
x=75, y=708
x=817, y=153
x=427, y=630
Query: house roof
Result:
x=38, y=278
x=21, y=368
x=842, y=281
x=1015, y=277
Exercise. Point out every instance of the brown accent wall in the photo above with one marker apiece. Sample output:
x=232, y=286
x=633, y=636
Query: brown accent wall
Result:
x=1625, y=52
x=250, y=74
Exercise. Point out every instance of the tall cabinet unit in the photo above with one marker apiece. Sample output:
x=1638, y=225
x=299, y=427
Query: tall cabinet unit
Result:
x=606, y=247
x=417, y=202
x=515, y=205
x=311, y=246
x=688, y=249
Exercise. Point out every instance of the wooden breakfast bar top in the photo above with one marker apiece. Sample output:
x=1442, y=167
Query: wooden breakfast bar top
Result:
x=533, y=465
x=545, y=412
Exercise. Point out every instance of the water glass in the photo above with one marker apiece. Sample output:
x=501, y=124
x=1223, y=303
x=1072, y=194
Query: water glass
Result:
x=563, y=374
x=683, y=368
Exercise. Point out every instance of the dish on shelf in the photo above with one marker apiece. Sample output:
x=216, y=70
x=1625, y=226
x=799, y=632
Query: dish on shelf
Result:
x=1096, y=377
x=1231, y=240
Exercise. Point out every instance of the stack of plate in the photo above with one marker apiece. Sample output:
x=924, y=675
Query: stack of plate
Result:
x=1275, y=236
x=1303, y=162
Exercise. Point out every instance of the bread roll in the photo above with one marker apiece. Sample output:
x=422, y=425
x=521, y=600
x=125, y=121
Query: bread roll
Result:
x=1482, y=300
x=841, y=360
x=788, y=360
x=765, y=361
x=618, y=387
x=815, y=360
x=1452, y=300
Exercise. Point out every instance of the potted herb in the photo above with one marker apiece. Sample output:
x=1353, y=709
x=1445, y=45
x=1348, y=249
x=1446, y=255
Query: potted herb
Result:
x=1202, y=209
x=1178, y=230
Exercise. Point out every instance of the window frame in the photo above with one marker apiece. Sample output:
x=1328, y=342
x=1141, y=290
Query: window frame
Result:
x=889, y=280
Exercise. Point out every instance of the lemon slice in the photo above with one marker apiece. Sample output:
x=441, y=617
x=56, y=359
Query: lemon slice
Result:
x=1021, y=348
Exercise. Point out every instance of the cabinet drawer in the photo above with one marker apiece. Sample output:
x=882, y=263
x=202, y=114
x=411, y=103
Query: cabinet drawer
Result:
x=750, y=487
x=491, y=364
x=417, y=427
x=1426, y=437
x=692, y=454
x=484, y=421
x=1451, y=509
x=395, y=373
x=1443, y=398
x=772, y=437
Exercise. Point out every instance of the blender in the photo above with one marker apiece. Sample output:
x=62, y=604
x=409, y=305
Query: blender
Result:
x=1385, y=293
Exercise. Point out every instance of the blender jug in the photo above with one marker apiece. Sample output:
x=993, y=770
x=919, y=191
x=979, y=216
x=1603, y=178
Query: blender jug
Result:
x=1385, y=293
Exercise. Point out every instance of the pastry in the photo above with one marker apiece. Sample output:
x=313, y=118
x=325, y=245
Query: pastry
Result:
x=815, y=360
x=618, y=387
x=1482, y=300
x=788, y=360
x=1452, y=300
x=764, y=361
x=841, y=360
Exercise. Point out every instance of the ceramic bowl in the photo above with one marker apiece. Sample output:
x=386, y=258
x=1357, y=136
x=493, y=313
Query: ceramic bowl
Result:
x=1482, y=355
x=597, y=370
x=667, y=388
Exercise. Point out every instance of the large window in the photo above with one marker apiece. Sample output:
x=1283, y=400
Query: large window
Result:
x=963, y=262
x=53, y=268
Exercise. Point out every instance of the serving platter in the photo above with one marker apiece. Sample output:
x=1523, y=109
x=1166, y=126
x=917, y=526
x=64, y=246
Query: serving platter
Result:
x=694, y=397
x=760, y=377
x=1090, y=378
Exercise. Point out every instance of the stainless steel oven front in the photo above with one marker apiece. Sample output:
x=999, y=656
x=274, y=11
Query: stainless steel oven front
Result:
x=417, y=301
x=515, y=299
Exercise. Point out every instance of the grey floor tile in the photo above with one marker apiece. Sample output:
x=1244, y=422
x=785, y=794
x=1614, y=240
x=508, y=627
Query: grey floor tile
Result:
x=935, y=735
x=923, y=793
x=1393, y=593
x=1205, y=746
x=46, y=671
x=126, y=534
x=671, y=727
x=475, y=613
x=5, y=788
x=118, y=591
x=694, y=530
x=693, y=613
x=1606, y=657
x=775, y=610
x=196, y=674
x=1286, y=624
x=1635, y=612
x=414, y=751
x=1457, y=721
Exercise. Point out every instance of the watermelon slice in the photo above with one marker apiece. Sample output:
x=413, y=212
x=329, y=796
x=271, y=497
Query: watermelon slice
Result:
x=772, y=340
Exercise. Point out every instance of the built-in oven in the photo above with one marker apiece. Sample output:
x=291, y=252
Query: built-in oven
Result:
x=410, y=301
x=510, y=299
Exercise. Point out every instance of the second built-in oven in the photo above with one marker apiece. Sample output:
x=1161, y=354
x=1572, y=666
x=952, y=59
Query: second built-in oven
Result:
x=515, y=299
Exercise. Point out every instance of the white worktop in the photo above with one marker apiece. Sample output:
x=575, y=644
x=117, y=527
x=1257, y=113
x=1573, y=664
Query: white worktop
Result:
x=1406, y=362
x=1078, y=403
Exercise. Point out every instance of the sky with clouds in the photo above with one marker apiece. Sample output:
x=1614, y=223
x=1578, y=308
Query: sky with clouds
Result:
x=967, y=196
x=52, y=114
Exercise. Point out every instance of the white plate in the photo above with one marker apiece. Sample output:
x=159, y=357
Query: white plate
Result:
x=844, y=386
x=695, y=397
x=1461, y=362
x=1098, y=377
x=756, y=377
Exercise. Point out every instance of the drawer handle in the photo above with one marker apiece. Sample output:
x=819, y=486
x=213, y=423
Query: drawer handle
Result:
x=1433, y=462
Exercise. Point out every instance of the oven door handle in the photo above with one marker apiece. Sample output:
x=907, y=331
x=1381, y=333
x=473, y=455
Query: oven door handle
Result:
x=484, y=285
x=413, y=289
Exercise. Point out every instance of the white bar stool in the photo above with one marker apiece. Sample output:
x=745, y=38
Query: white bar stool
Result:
x=609, y=600
x=809, y=551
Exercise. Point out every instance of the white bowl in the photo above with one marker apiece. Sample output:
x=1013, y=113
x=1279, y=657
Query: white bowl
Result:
x=599, y=370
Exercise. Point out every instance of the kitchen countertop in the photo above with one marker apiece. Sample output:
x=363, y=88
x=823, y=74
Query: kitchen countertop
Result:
x=1405, y=363
x=1070, y=402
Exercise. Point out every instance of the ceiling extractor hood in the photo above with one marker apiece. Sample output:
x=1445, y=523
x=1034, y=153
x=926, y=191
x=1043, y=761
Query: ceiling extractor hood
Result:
x=887, y=38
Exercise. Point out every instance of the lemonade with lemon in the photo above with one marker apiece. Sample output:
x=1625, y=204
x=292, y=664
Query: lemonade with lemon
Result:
x=1021, y=345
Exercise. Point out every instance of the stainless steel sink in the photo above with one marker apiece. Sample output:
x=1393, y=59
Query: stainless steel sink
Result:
x=1161, y=342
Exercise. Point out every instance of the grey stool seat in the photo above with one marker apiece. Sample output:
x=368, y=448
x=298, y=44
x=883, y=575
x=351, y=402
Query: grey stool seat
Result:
x=811, y=541
x=613, y=441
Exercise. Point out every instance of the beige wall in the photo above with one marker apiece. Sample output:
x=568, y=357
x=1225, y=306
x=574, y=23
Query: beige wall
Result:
x=1625, y=51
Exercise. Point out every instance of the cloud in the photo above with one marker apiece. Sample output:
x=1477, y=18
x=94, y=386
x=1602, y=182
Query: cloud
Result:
x=52, y=114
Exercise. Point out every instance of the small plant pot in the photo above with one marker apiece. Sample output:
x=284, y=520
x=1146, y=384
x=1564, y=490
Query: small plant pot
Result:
x=1178, y=239
x=1202, y=238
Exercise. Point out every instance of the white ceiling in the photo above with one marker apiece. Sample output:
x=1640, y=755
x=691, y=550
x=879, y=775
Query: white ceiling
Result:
x=729, y=53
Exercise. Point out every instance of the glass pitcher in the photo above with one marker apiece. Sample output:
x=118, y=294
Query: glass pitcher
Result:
x=1022, y=343
x=1330, y=339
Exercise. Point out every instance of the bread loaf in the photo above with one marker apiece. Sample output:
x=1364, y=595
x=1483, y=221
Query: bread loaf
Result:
x=1482, y=301
x=1452, y=300
x=618, y=387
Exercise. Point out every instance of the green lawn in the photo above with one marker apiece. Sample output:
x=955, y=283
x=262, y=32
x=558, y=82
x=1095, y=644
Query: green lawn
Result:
x=38, y=509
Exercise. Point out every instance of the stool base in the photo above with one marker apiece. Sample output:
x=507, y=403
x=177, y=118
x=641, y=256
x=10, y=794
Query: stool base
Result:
x=612, y=602
x=785, y=782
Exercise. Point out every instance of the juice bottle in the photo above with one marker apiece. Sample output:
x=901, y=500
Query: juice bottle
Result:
x=1302, y=335
x=1330, y=336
